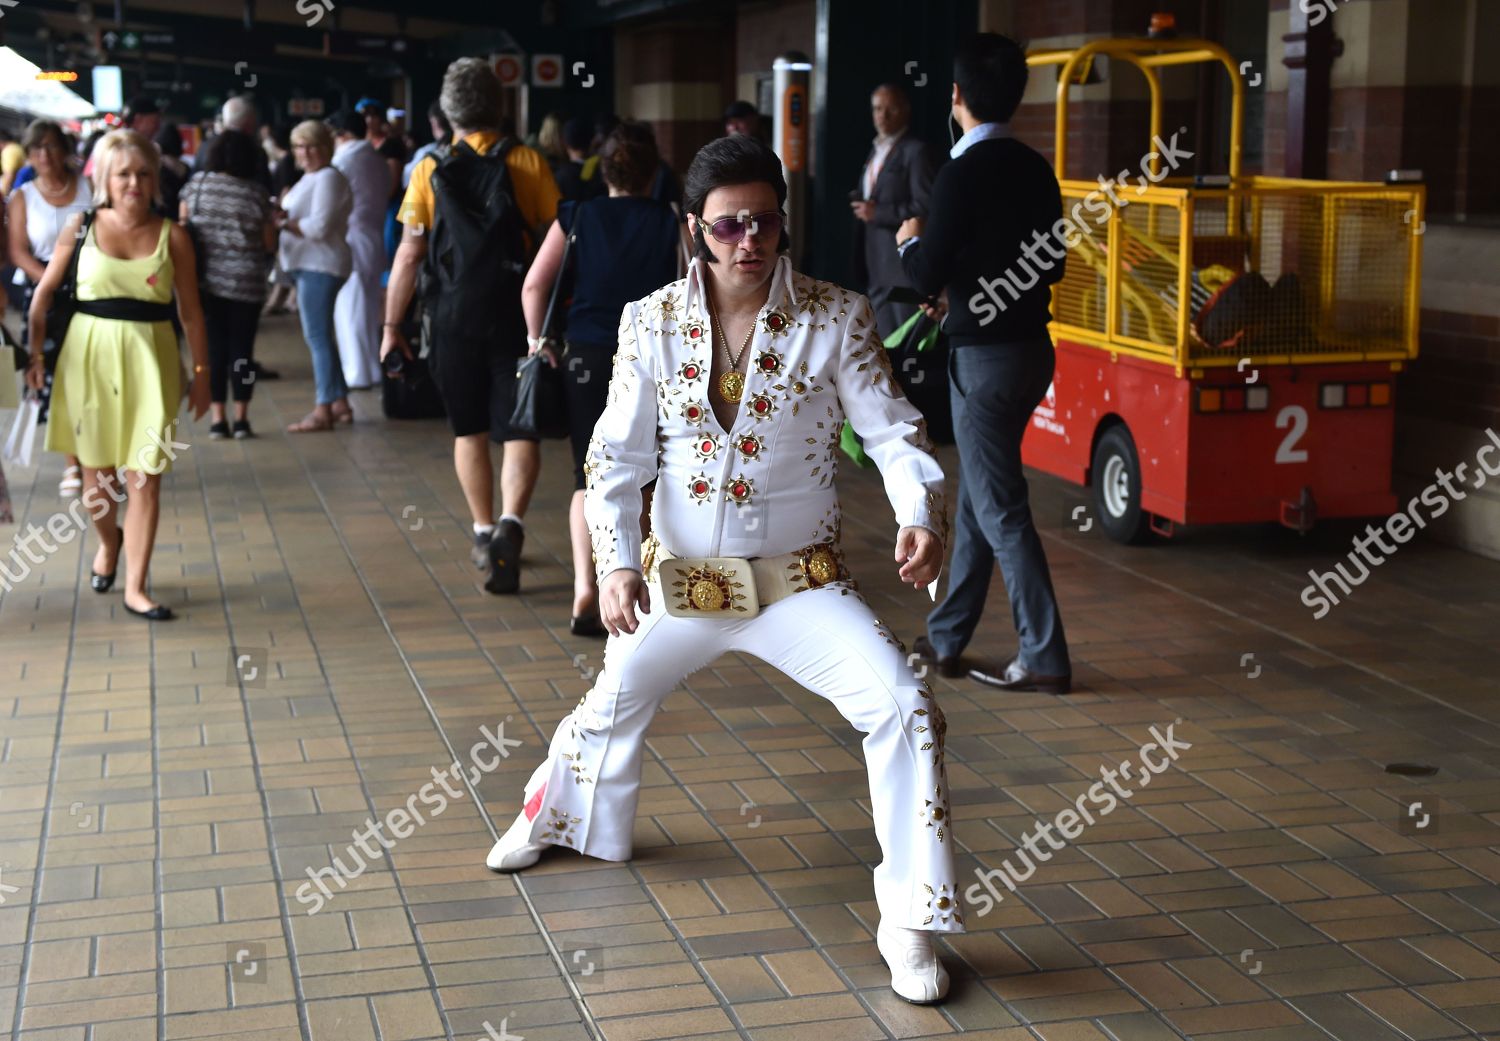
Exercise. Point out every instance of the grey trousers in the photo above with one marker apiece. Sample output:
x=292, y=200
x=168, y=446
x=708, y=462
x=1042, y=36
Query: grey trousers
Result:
x=994, y=388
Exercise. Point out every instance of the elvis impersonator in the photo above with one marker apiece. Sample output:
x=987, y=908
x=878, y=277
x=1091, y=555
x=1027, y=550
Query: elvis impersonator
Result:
x=730, y=388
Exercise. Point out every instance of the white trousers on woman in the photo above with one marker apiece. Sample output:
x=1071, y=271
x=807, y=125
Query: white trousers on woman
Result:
x=584, y=795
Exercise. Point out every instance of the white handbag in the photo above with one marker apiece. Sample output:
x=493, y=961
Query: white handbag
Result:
x=21, y=443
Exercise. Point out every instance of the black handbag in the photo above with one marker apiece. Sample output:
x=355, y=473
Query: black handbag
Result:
x=409, y=391
x=64, y=300
x=541, y=398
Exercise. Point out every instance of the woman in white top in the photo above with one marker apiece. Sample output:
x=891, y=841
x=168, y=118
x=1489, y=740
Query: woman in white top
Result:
x=36, y=214
x=314, y=223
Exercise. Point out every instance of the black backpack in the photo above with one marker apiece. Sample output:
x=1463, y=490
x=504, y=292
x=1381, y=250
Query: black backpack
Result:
x=476, y=248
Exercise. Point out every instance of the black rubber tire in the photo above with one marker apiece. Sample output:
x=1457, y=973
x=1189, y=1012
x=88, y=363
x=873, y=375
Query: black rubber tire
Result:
x=1115, y=454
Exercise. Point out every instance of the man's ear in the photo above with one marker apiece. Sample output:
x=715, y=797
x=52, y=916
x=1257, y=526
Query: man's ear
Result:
x=692, y=223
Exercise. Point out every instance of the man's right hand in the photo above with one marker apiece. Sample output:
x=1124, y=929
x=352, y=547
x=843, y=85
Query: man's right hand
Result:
x=619, y=593
x=394, y=339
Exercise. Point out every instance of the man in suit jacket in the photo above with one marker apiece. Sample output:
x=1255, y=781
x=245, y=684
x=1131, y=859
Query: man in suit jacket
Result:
x=997, y=255
x=895, y=185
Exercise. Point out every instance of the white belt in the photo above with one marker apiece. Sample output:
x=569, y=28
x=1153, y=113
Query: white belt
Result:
x=736, y=587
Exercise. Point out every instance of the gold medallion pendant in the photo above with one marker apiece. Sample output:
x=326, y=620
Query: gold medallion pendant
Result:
x=731, y=386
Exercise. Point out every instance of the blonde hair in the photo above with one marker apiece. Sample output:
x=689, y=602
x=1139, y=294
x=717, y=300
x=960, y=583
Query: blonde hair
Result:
x=550, y=138
x=314, y=132
x=108, y=151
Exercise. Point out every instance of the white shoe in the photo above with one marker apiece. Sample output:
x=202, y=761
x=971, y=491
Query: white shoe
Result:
x=916, y=973
x=514, y=852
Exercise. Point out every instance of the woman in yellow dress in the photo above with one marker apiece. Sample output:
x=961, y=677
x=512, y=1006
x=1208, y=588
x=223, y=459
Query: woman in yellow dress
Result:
x=119, y=377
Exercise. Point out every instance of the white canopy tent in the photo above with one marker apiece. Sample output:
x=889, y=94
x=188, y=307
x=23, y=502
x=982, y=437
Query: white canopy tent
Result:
x=22, y=92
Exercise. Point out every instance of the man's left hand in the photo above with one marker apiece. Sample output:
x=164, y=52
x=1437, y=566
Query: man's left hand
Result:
x=864, y=209
x=910, y=227
x=920, y=553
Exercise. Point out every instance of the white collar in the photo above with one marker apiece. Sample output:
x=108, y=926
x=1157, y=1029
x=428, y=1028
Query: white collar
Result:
x=983, y=132
x=781, y=276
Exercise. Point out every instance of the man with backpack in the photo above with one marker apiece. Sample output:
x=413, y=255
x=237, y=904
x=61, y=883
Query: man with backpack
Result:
x=472, y=217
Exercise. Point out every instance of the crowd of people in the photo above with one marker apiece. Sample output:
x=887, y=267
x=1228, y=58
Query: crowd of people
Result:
x=697, y=368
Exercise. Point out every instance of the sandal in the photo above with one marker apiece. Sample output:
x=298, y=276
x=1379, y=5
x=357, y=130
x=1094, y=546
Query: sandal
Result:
x=343, y=414
x=311, y=423
x=71, y=485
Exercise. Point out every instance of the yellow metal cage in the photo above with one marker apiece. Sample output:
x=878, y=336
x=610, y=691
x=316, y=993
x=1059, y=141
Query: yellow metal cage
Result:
x=1274, y=270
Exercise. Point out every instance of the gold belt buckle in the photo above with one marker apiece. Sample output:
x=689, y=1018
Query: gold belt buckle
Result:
x=707, y=588
x=819, y=565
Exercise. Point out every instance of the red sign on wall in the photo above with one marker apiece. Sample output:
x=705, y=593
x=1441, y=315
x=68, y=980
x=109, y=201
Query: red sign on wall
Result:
x=546, y=70
x=509, y=68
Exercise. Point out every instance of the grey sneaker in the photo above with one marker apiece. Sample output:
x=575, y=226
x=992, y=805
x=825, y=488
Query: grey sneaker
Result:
x=480, y=554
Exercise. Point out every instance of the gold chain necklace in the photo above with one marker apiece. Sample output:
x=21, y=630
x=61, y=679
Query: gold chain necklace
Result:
x=731, y=382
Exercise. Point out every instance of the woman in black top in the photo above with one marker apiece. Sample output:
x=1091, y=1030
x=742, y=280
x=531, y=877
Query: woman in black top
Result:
x=625, y=245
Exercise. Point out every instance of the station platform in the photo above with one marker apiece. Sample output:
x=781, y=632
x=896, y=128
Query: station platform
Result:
x=164, y=790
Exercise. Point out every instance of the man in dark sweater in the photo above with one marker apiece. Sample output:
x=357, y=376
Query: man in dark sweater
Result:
x=990, y=241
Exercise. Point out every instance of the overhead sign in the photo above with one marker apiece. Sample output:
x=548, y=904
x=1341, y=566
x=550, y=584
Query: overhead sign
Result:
x=546, y=70
x=509, y=68
x=305, y=107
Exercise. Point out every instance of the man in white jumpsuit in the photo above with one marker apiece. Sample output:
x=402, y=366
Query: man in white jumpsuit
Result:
x=358, y=308
x=730, y=388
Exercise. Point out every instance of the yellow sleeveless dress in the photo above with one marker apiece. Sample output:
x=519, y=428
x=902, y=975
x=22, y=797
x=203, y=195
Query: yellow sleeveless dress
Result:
x=118, y=384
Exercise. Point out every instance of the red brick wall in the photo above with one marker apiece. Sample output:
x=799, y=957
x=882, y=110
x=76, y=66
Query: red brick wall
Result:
x=1457, y=377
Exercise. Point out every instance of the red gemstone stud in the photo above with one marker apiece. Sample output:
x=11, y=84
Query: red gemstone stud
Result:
x=707, y=447
x=693, y=413
x=699, y=488
x=693, y=331
x=690, y=370
x=749, y=446
x=776, y=322
x=770, y=362
x=761, y=406
x=740, y=490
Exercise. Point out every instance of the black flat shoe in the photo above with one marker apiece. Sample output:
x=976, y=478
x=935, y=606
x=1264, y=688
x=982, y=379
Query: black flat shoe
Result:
x=949, y=668
x=588, y=625
x=218, y=431
x=159, y=613
x=242, y=430
x=104, y=583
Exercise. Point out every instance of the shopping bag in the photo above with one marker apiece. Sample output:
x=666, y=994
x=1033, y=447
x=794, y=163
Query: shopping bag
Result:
x=21, y=443
x=10, y=379
x=919, y=360
x=541, y=400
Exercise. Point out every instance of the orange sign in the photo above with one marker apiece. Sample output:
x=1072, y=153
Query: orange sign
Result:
x=65, y=76
x=794, y=119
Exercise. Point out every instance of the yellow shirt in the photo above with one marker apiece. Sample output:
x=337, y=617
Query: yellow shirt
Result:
x=530, y=179
x=12, y=158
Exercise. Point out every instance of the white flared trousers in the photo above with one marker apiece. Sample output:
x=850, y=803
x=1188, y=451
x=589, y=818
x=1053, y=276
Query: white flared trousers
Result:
x=584, y=795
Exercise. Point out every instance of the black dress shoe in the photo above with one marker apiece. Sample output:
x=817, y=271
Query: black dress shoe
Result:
x=159, y=613
x=1014, y=677
x=949, y=668
x=588, y=625
x=104, y=583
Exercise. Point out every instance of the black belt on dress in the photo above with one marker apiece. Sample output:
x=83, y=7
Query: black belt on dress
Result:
x=124, y=309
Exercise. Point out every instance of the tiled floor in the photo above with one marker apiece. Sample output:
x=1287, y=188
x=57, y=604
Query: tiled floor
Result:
x=160, y=808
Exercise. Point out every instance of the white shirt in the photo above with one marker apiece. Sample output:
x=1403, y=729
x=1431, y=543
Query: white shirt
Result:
x=983, y=132
x=321, y=202
x=883, y=146
x=764, y=487
x=44, y=221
